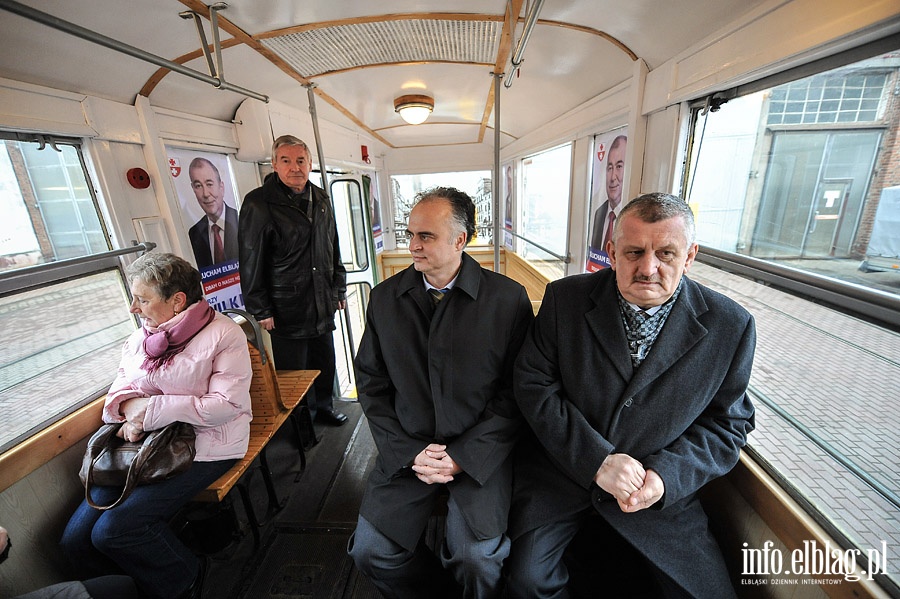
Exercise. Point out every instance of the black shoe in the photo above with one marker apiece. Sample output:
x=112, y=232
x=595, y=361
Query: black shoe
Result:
x=195, y=591
x=332, y=417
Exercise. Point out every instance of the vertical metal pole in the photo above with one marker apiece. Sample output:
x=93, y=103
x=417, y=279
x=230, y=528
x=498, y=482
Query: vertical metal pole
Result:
x=315, y=123
x=497, y=175
x=336, y=384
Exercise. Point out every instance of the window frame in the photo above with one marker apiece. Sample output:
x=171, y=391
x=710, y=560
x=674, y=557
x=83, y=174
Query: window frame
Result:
x=868, y=304
x=524, y=241
x=46, y=275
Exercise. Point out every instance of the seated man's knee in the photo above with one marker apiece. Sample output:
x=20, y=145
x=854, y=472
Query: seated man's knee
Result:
x=360, y=552
x=371, y=551
x=485, y=556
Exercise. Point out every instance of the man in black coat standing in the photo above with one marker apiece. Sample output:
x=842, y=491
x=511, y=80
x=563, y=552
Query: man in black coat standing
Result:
x=292, y=276
x=434, y=376
x=634, y=382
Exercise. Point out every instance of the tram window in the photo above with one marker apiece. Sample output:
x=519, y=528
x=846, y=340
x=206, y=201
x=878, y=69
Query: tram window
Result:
x=62, y=345
x=49, y=211
x=62, y=333
x=543, y=214
x=804, y=174
x=348, y=212
x=477, y=184
x=801, y=174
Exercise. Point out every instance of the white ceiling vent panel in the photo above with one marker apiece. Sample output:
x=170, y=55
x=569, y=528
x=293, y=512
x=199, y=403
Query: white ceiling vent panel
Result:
x=329, y=49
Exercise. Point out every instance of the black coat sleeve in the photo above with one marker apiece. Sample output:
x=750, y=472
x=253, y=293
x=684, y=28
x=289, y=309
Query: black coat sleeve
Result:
x=710, y=447
x=566, y=434
x=378, y=395
x=483, y=448
x=254, y=230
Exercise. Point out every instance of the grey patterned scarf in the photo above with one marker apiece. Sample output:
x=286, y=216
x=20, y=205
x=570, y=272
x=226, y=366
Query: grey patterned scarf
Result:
x=641, y=329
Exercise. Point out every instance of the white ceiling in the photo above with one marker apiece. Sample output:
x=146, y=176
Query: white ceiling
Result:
x=569, y=59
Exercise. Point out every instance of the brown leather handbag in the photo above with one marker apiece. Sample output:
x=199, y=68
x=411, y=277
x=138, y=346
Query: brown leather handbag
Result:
x=111, y=461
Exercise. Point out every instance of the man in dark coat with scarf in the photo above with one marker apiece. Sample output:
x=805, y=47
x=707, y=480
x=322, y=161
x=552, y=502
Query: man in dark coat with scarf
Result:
x=292, y=276
x=434, y=375
x=634, y=382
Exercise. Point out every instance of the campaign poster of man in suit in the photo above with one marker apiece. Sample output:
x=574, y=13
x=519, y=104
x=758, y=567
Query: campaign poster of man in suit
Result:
x=206, y=193
x=508, y=186
x=607, y=182
x=375, y=213
x=214, y=236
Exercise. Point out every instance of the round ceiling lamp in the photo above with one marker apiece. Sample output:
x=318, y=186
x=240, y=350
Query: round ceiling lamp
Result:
x=414, y=108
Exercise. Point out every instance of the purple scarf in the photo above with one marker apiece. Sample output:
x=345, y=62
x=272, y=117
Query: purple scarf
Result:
x=162, y=345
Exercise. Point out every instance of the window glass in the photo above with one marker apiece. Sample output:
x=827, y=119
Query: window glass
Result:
x=828, y=98
x=62, y=333
x=543, y=212
x=477, y=184
x=348, y=213
x=62, y=345
x=52, y=214
x=805, y=175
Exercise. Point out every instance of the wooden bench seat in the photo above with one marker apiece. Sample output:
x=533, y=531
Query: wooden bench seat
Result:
x=293, y=385
x=271, y=407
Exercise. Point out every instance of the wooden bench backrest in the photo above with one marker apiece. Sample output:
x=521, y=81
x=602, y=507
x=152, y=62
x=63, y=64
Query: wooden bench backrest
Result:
x=264, y=395
x=267, y=417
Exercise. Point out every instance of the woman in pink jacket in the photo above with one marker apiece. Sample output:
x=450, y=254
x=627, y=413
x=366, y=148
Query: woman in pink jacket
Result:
x=186, y=364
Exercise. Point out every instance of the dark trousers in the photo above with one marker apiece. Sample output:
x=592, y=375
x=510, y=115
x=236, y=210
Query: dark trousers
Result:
x=574, y=557
x=474, y=563
x=314, y=353
x=135, y=537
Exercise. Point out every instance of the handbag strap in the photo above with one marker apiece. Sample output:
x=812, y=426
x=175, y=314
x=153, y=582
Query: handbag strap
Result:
x=133, y=469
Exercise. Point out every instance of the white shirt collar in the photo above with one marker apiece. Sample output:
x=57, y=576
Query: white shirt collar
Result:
x=650, y=311
x=219, y=221
x=448, y=287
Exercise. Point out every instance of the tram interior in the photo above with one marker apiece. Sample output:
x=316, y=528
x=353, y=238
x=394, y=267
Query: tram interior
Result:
x=777, y=120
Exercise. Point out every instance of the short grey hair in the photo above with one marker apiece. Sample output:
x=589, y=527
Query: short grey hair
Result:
x=167, y=274
x=657, y=206
x=289, y=140
x=462, y=208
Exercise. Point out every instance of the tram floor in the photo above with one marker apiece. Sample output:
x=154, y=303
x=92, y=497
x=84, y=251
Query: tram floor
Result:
x=302, y=553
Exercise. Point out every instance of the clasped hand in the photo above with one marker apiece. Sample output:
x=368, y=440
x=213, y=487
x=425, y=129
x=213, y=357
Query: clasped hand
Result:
x=133, y=410
x=625, y=478
x=434, y=465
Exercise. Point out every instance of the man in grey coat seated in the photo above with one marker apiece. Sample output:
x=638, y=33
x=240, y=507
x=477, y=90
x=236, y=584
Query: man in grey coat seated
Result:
x=634, y=382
